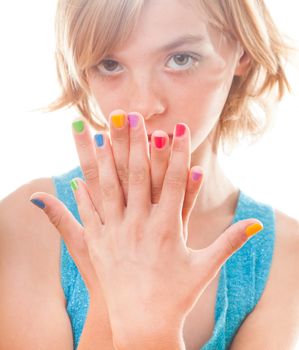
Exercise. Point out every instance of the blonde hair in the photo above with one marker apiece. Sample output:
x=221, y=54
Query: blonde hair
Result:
x=87, y=30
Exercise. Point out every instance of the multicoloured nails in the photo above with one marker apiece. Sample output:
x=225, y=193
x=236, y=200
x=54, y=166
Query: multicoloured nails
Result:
x=39, y=203
x=74, y=184
x=133, y=119
x=99, y=140
x=180, y=130
x=253, y=229
x=118, y=120
x=78, y=126
x=160, y=141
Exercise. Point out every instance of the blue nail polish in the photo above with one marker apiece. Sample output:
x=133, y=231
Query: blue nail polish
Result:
x=99, y=139
x=38, y=203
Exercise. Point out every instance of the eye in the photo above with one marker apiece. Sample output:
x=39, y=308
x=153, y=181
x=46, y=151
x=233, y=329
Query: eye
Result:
x=108, y=67
x=183, y=61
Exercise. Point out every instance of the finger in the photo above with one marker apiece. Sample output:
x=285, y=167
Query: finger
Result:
x=111, y=191
x=175, y=182
x=139, y=191
x=231, y=240
x=119, y=133
x=160, y=152
x=86, y=209
x=194, y=185
x=70, y=230
x=88, y=162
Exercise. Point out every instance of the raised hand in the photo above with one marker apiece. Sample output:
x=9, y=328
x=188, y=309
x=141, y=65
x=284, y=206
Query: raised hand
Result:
x=149, y=277
x=71, y=231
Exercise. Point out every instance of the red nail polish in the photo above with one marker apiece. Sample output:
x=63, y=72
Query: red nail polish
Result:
x=180, y=130
x=160, y=141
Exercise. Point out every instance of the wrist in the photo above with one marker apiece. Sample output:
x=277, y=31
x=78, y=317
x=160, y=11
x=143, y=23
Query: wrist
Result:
x=160, y=343
x=149, y=339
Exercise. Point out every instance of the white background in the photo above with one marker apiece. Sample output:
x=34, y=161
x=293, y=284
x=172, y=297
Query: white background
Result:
x=41, y=145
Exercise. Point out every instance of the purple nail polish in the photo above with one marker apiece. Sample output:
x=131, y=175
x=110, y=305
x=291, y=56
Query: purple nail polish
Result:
x=196, y=176
x=133, y=120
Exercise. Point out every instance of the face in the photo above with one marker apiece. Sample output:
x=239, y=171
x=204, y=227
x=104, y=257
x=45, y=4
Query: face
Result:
x=173, y=69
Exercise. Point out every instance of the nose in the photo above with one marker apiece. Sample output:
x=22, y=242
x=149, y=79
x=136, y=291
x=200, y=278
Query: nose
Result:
x=146, y=96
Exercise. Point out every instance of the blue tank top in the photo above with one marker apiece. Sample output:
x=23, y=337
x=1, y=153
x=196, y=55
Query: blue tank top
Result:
x=242, y=278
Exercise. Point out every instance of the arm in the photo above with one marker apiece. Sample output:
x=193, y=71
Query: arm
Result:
x=32, y=312
x=97, y=331
x=275, y=320
x=27, y=254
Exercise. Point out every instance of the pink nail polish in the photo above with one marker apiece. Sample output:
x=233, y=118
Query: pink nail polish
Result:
x=160, y=141
x=180, y=130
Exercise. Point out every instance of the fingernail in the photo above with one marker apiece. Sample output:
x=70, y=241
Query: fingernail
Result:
x=74, y=185
x=253, y=229
x=180, y=130
x=118, y=120
x=160, y=141
x=99, y=140
x=133, y=120
x=38, y=203
x=196, y=175
x=78, y=126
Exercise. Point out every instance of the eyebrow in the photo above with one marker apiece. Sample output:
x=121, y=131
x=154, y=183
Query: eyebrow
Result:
x=186, y=39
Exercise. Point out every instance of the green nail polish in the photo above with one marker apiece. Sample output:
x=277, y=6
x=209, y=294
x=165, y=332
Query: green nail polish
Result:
x=78, y=126
x=74, y=185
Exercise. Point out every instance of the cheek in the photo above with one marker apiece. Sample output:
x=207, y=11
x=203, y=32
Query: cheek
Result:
x=108, y=96
x=202, y=100
x=205, y=94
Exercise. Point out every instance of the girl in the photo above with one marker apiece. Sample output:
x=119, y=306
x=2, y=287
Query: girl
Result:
x=156, y=248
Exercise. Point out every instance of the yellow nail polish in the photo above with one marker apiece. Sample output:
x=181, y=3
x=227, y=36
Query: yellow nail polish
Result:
x=118, y=120
x=253, y=229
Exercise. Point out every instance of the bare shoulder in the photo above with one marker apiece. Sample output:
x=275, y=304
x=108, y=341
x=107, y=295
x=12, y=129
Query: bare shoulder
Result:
x=277, y=312
x=30, y=285
x=30, y=232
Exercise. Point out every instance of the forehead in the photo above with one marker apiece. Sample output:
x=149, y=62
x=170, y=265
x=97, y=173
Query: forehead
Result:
x=162, y=21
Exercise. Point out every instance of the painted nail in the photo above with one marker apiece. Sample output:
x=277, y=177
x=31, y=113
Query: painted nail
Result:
x=78, y=126
x=99, y=140
x=74, y=184
x=118, y=120
x=253, y=229
x=160, y=141
x=38, y=203
x=180, y=130
x=196, y=175
x=133, y=120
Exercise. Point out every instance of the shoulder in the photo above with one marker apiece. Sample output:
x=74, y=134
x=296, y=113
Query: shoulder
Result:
x=26, y=236
x=285, y=263
x=275, y=318
x=19, y=215
x=287, y=232
x=282, y=287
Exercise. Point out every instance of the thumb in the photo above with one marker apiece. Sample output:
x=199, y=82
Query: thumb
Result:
x=60, y=217
x=70, y=230
x=231, y=240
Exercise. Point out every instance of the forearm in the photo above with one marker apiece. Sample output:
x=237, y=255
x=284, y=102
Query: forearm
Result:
x=97, y=332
